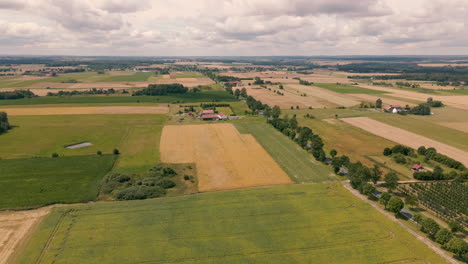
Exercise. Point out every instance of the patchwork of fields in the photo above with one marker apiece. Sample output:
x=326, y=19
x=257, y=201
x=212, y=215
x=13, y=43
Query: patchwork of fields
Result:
x=225, y=159
x=319, y=223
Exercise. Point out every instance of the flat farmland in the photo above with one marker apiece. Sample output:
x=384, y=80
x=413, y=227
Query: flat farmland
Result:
x=323, y=94
x=121, y=110
x=404, y=137
x=318, y=223
x=44, y=135
x=35, y=182
x=385, y=100
x=290, y=98
x=225, y=159
x=295, y=161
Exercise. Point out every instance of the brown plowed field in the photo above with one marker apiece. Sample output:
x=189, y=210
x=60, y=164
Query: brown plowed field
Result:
x=87, y=110
x=225, y=159
x=407, y=138
x=15, y=227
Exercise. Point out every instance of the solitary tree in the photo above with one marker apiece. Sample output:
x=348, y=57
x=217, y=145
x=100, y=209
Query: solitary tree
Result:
x=116, y=152
x=378, y=103
x=237, y=93
x=333, y=153
x=376, y=174
x=395, y=204
x=243, y=92
x=391, y=181
x=384, y=198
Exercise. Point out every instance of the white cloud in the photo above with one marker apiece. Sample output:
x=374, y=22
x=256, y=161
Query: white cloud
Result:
x=235, y=27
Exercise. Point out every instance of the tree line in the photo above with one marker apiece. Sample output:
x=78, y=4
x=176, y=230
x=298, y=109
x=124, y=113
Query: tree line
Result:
x=92, y=91
x=16, y=94
x=161, y=89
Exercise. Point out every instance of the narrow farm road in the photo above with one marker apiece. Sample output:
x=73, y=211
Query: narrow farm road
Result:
x=390, y=216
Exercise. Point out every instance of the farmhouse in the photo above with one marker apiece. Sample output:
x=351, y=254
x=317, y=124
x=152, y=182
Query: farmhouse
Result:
x=417, y=167
x=394, y=109
x=210, y=115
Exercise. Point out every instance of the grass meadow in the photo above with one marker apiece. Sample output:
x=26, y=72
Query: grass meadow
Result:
x=205, y=96
x=136, y=136
x=32, y=182
x=310, y=223
x=296, y=162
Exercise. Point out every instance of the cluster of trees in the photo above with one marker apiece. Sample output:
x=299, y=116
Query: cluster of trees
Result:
x=304, y=82
x=258, y=81
x=421, y=109
x=408, y=84
x=431, y=154
x=213, y=105
x=86, y=92
x=240, y=93
x=162, y=89
x=399, y=149
x=393, y=204
x=16, y=94
x=257, y=106
x=4, y=124
x=303, y=136
x=224, y=78
x=444, y=236
x=136, y=187
x=433, y=103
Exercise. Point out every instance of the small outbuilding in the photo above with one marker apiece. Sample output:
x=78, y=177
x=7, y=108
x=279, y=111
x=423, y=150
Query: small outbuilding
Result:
x=417, y=167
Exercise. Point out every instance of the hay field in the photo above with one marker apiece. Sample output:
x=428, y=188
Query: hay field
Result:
x=308, y=223
x=87, y=110
x=15, y=228
x=323, y=94
x=225, y=159
x=290, y=98
x=385, y=100
x=458, y=101
x=404, y=137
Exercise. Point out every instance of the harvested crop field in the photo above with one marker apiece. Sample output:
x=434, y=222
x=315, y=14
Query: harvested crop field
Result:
x=87, y=110
x=323, y=94
x=15, y=228
x=406, y=138
x=461, y=126
x=288, y=99
x=385, y=100
x=225, y=159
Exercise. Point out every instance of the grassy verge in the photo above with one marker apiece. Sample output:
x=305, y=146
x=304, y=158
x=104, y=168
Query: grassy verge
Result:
x=296, y=162
x=41, y=181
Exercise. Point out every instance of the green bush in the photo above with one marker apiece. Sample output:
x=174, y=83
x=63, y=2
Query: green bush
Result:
x=139, y=192
x=443, y=236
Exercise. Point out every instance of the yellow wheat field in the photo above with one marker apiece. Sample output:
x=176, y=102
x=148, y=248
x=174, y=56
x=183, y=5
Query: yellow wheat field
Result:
x=225, y=159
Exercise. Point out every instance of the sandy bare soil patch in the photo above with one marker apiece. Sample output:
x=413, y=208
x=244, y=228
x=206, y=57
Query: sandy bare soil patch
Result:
x=385, y=101
x=87, y=110
x=458, y=101
x=225, y=159
x=15, y=228
x=407, y=138
x=290, y=98
x=462, y=126
x=324, y=94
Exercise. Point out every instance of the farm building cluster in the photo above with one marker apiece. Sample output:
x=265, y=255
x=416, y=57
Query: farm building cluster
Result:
x=394, y=109
x=211, y=115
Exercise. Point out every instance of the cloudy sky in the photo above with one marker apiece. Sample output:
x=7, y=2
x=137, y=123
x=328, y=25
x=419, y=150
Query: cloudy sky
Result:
x=233, y=27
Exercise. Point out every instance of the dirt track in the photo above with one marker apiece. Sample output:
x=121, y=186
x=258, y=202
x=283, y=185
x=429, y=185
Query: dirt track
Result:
x=87, y=110
x=421, y=238
x=407, y=138
x=225, y=158
x=15, y=227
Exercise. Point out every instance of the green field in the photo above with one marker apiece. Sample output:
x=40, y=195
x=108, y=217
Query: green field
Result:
x=44, y=135
x=311, y=223
x=205, y=96
x=133, y=77
x=347, y=88
x=296, y=162
x=189, y=75
x=425, y=127
x=40, y=181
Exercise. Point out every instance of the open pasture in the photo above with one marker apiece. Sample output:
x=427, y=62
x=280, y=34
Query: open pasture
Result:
x=319, y=223
x=35, y=136
x=404, y=137
x=347, y=88
x=121, y=110
x=35, y=182
x=225, y=159
x=295, y=161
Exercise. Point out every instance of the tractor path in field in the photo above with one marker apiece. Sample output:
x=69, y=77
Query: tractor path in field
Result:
x=406, y=138
x=390, y=216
